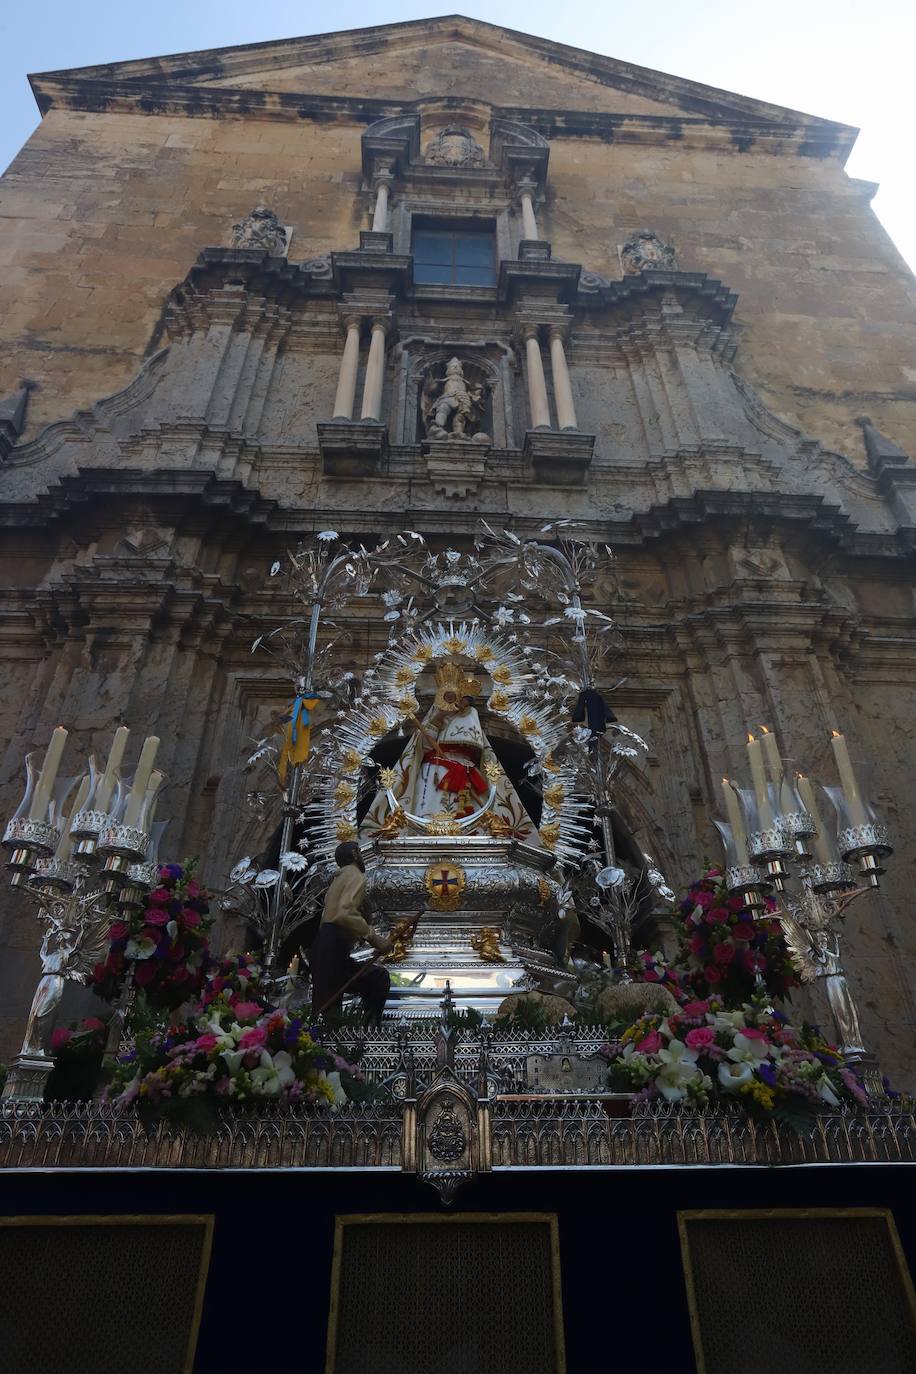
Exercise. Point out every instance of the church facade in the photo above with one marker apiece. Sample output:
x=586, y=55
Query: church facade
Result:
x=426, y=274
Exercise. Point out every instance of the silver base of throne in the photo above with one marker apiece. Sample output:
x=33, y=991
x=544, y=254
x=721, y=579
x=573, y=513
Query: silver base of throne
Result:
x=499, y=876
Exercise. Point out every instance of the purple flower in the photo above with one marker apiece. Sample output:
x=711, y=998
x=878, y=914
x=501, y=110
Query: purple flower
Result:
x=767, y=1073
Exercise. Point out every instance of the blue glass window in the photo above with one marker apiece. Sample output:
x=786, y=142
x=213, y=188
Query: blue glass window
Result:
x=454, y=257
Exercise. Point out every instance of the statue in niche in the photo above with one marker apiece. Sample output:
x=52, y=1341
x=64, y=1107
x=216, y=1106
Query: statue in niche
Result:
x=454, y=146
x=644, y=251
x=261, y=229
x=451, y=405
x=448, y=770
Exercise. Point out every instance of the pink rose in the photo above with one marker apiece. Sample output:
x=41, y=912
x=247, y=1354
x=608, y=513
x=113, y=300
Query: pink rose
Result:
x=193, y=889
x=145, y=972
x=697, y=944
x=692, y=1009
x=59, y=1038
x=712, y=974
x=743, y=930
x=650, y=976
x=247, y=1011
x=190, y=916
x=160, y=896
x=724, y=952
x=650, y=1044
x=700, y=1037
x=253, y=1038
x=156, y=916
x=117, y=931
x=205, y=1042
x=93, y=1023
x=706, y=900
x=753, y=962
x=718, y=915
x=736, y=903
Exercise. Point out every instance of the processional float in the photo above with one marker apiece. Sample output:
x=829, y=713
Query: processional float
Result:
x=499, y=826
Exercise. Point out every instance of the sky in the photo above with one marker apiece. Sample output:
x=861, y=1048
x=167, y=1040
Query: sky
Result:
x=842, y=59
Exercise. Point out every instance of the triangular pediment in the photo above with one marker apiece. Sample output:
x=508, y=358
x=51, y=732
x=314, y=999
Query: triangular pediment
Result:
x=441, y=66
x=441, y=57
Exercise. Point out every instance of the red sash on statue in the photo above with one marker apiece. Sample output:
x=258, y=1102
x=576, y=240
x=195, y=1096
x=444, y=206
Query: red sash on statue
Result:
x=459, y=777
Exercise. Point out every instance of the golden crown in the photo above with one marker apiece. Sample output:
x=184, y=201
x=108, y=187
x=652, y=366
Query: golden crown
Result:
x=452, y=684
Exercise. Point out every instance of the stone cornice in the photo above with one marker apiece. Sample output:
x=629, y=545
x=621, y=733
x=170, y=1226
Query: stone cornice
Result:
x=199, y=492
x=152, y=96
x=692, y=104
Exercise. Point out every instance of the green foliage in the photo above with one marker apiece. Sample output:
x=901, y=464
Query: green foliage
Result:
x=527, y=1015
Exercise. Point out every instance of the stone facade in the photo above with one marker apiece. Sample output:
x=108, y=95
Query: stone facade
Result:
x=705, y=419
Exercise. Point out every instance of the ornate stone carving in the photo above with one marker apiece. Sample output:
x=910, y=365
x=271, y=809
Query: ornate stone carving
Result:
x=451, y=405
x=261, y=229
x=319, y=269
x=644, y=251
x=454, y=146
x=592, y=282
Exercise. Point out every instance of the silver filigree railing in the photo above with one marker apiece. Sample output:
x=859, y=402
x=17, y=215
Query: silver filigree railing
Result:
x=534, y=1133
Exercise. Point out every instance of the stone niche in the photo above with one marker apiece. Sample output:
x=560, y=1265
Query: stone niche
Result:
x=470, y=405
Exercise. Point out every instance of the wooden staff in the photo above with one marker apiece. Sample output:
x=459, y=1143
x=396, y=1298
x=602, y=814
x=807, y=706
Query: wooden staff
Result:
x=371, y=964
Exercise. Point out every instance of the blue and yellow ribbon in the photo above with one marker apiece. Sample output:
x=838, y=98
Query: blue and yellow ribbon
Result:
x=298, y=737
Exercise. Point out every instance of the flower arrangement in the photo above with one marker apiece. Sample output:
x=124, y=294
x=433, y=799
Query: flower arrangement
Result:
x=706, y=1052
x=77, y=1050
x=164, y=945
x=722, y=949
x=232, y=1052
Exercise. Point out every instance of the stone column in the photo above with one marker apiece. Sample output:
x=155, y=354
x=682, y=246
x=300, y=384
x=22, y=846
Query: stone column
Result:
x=526, y=191
x=349, y=365
x=383, y=182
x=375, y=372
x=562, y=390
x=537, y=386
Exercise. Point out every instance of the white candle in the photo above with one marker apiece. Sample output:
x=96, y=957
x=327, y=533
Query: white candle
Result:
x=109, y=781
x=736, y=821
x=809, y=802
x=38, y=811
x=141, y=780
x=65, y=843
x=758, y=774
x=771, y=754
x=854, y=803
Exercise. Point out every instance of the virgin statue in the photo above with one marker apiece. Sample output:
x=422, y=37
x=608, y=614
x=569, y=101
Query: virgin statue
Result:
x=449, y=772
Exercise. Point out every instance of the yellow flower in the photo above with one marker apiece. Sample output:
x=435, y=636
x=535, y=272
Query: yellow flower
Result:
x=483, y=653
x=405, y=677
x=378, y=726
x=499, y=701
x=388, y=777
x=762, y=1094
x=528, y=725
x=502, y=675
x=455, y=645
x=423, y=653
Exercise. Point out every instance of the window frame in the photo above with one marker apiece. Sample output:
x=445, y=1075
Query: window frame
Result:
x=451, y=233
